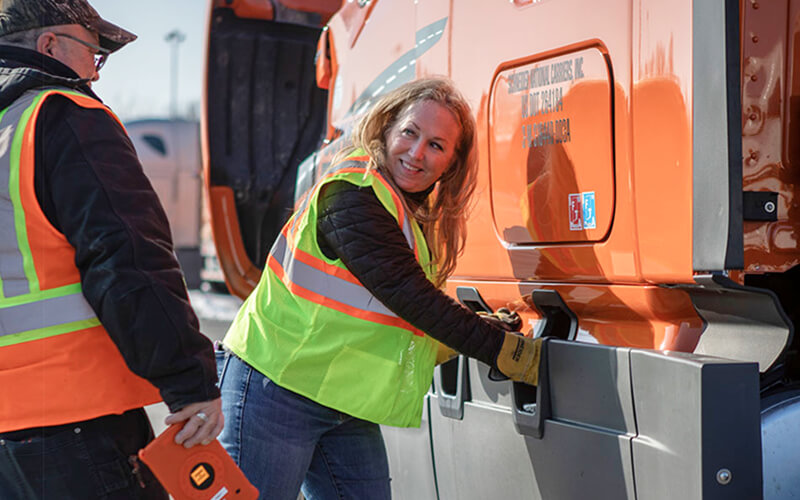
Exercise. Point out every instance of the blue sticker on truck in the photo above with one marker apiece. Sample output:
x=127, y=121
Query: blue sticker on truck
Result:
x=589, y=217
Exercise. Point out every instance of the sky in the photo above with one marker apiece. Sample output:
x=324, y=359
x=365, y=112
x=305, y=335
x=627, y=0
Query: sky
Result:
x=135, y=81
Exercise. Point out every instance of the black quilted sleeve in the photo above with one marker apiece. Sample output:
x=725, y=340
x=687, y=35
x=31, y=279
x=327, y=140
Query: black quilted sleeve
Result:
x=354, y=226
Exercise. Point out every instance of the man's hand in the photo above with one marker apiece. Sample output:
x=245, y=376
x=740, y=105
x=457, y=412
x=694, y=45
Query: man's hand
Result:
x=204, y=422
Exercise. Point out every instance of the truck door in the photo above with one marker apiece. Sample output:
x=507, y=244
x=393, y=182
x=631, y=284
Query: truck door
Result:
x=608, y=207
x=263, y=114
x=588, y=138
x=547, y=180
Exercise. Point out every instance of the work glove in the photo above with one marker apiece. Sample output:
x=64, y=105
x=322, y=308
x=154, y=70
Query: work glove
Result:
x=519, y=358
x=503, y=318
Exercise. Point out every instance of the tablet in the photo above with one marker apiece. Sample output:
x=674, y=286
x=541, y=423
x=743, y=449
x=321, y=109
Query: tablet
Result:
x=197, y=473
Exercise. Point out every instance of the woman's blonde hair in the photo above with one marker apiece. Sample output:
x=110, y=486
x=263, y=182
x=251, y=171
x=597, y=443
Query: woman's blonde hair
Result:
x=443, y=215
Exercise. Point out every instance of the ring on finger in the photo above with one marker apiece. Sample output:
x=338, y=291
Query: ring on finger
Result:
x=202, y=416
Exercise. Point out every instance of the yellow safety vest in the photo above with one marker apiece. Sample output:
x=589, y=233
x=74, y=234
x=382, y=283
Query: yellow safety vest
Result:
x=312, y=327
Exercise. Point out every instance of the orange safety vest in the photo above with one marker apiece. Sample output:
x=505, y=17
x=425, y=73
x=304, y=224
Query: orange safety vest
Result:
x=57, y=363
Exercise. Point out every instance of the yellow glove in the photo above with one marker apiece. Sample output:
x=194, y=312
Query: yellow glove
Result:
x=519, y=358
x=503, y=318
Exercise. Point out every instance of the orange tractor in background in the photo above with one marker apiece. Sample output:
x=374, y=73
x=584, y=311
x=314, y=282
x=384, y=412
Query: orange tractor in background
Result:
x=638, y=204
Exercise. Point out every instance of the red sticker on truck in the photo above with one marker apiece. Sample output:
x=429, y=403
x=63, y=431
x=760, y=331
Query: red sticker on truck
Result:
x=575, y=212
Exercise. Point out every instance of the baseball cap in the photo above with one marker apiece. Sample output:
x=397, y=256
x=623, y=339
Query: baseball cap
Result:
x=23, y=15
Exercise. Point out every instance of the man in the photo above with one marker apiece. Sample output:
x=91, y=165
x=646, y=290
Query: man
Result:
x=95, y=321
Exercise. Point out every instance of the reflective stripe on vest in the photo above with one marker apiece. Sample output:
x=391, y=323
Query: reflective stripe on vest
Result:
x=352, y=165
x=16, y=274
x=333, y=286
x=27, y=312
x=320, y=282
x=46, y=316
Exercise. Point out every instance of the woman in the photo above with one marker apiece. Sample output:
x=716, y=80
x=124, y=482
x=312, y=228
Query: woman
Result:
x=330, y=343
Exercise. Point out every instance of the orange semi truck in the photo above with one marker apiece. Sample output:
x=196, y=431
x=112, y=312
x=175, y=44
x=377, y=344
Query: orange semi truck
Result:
x=637, y=205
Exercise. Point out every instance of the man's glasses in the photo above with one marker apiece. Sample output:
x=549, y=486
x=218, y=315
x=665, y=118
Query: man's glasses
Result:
x=100, y=54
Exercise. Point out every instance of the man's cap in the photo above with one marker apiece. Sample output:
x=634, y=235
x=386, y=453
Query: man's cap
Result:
x=24, y=15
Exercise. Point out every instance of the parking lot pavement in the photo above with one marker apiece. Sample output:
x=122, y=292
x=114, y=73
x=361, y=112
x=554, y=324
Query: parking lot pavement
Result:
x=215, y=312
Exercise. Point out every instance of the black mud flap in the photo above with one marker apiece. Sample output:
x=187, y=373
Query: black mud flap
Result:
x=265, y=114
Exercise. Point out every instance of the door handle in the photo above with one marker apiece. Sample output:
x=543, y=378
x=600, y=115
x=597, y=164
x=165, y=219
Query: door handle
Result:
x=472, y=300
x=531, y=405
x=452, y=385
x=452, y=377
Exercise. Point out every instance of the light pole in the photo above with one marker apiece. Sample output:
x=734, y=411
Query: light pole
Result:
x=175, y=38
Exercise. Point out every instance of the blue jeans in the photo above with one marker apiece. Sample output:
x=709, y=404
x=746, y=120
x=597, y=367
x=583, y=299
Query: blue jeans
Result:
x=283, y=441
x=95, y=459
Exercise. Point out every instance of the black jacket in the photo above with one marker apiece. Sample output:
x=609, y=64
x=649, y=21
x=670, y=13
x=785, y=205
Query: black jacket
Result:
x=355, y=227
x=91, y=187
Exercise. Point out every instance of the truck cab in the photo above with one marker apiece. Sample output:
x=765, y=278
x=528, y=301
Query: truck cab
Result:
x=637, y=205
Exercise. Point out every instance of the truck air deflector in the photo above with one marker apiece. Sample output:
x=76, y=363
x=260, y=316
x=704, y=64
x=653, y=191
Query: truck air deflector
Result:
x=741, y=322
x=421, y=469
x=716, y=137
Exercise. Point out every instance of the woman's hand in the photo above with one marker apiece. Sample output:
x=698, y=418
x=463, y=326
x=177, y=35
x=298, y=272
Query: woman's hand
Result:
x=519, y=358
x=503, y=318
x=204, y=422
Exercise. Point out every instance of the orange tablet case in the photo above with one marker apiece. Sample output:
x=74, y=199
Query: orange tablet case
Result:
x=198, y=473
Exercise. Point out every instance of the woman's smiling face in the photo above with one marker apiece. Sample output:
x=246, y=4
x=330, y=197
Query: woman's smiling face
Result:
x=421, y=144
